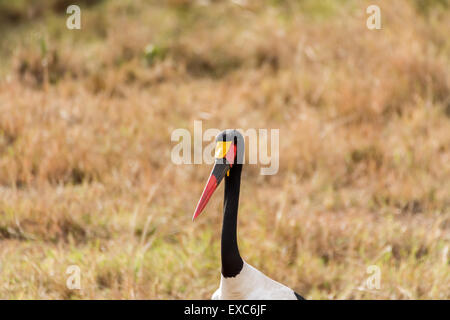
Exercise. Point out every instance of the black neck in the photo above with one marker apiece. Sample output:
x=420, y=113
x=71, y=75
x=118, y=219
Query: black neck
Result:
x=231, y=260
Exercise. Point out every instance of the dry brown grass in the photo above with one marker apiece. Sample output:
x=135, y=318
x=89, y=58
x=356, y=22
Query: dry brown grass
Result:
x=364, y=118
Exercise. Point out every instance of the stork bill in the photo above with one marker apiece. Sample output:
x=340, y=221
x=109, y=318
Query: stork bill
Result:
x=239, y=280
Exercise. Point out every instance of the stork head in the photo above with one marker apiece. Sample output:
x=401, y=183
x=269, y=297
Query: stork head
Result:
x=229, y=152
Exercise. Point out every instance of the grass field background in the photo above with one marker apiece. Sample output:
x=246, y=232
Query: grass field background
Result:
x=86, y=118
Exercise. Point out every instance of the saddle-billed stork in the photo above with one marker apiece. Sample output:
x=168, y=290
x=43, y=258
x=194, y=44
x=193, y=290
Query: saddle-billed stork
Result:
x=239, y=280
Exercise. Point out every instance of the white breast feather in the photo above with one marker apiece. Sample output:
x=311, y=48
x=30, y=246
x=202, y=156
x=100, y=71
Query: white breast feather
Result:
x=252, y=284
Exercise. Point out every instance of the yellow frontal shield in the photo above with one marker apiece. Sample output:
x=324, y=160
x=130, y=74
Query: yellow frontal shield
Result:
x=222, y=148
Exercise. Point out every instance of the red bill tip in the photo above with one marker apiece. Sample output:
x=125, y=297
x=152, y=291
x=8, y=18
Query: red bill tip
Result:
x=211, y=185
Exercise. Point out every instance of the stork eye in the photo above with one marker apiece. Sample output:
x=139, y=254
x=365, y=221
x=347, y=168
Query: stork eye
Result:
x=222, y=148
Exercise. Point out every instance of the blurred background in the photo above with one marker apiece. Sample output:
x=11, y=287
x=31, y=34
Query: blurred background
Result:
x=86, y=118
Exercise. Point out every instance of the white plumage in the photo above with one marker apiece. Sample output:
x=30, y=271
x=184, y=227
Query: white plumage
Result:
x=252, y=284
